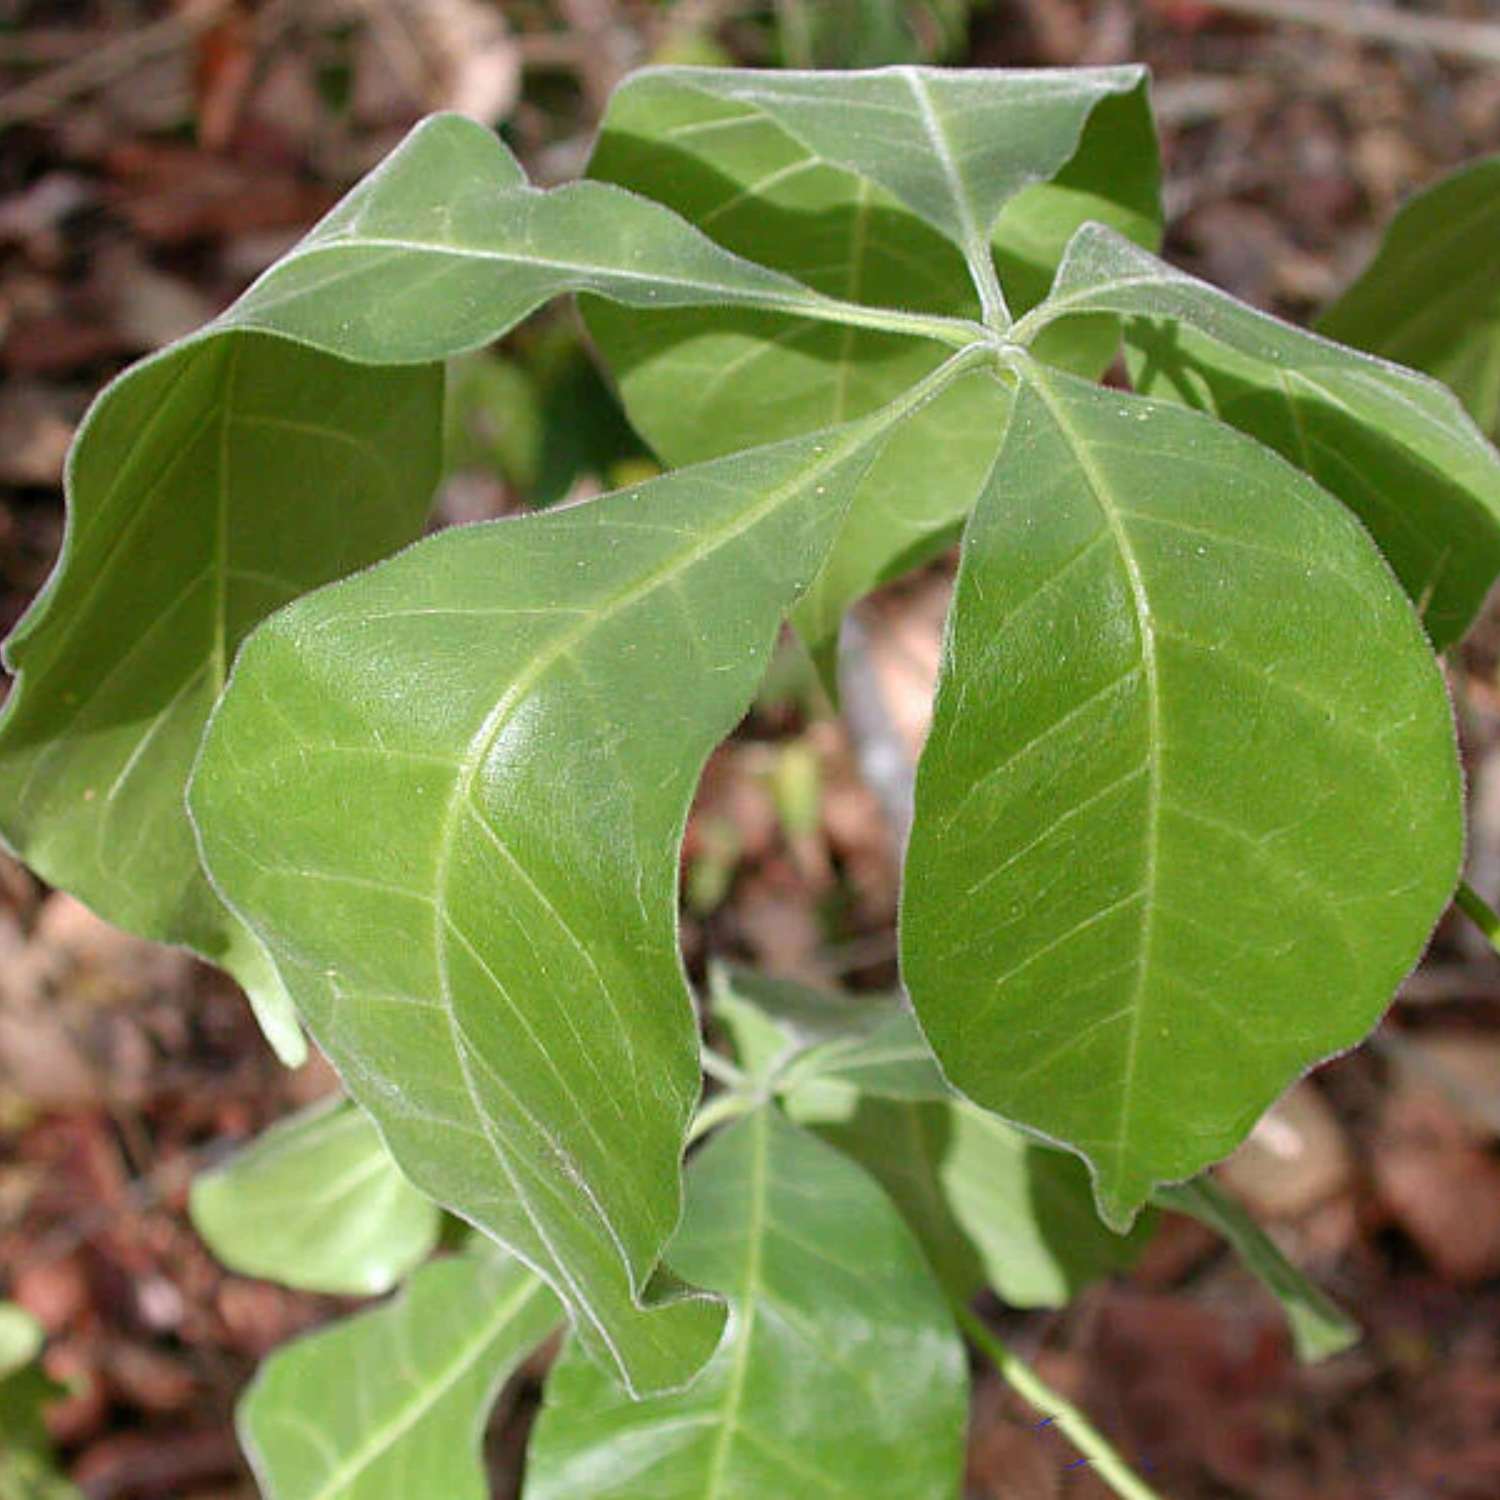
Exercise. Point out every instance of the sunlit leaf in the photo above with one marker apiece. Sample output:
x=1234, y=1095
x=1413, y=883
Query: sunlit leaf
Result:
x=1190, y=805
x=449, y=796
x=1394, y=446
x=761, y=175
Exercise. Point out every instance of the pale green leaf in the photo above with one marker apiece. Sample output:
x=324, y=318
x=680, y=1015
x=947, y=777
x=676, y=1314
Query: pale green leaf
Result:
x=449, y=796
x=391, y=1404
x=316, y=1203
x=207, y=487
x=1320, y=1328
x=1431, y=297
x=1395, y=446
x=1190, y=805
x=235, y=472
x=790, y=1037
x=991, y=1207
x=841, y=1375
x=699, y=384
x=27, y=1467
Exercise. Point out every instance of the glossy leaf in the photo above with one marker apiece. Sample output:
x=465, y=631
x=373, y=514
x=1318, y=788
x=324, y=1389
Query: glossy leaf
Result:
x=1431, y=297
x=449, y=796
x=1394, y=446
x=317, y=1203
x=392, y=1403
x=207, y=486
x=699, y=384
x=841, y=1375
x=1190, y=805
x=235, y=472
x=1320, y=1328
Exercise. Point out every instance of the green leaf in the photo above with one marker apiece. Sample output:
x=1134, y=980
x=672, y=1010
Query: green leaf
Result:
x=1394, y=446
x=748, y=169
x=449, y=796
x=392, y=1404
x=1320, y=1328
x=1431, y=297
x=317, y=1203
x=27, y=1469
x=234, y=472
x=1190, y=805
x=841, y=1375
x=991, y=1207
x=790, y=1037
x=207, y=486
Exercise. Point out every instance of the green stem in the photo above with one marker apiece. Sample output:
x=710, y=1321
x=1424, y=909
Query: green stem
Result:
x=1030, y=1386
x=1479, y=912
x=957, y=332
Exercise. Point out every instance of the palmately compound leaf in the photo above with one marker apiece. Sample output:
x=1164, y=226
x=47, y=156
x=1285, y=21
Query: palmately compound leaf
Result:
x=234, y=472
x=769, y=166
x=841, y=1375
x=1190, y=804
x=1320, y=1328
x=448, y=795
x=1394, y=446
x=1431, y=297
x=316, y=1203
x=391, y=1404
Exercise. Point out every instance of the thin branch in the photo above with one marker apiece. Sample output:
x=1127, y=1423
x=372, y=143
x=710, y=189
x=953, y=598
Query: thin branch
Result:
x=1099, y=1455
x=1467, y=41
x=40, y=97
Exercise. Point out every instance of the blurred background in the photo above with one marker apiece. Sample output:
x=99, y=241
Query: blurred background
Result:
x=155, y=157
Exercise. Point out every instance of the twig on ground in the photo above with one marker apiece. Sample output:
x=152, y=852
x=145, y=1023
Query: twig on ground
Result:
x=41, y=96
x=1466, y=41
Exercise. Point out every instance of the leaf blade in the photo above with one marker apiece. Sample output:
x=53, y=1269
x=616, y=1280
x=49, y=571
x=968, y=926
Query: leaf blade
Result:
x=837, y=1378
x=392, y=1402
x=316, y=1203
x=1074, y=805
x=1428, y=299
x=1394, y=446
x=490, y=904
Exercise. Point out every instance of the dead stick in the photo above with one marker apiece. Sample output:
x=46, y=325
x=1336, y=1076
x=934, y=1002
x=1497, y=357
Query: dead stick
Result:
x=1467, y=41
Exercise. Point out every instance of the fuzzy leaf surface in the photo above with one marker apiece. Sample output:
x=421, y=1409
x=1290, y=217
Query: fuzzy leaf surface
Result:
x=751, y=172
x=1431, y=297
x=392, y=1403
x=449, y=796
x=1393, y=445
x=1190, y=805
x=841, y=1374
x=316, y=1203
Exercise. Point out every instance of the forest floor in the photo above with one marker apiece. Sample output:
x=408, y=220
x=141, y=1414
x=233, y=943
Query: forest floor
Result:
x=153, y=158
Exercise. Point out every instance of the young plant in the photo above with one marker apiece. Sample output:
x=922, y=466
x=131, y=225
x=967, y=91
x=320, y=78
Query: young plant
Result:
x=1188, y=812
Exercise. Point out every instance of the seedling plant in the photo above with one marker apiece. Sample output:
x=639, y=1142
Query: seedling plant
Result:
x=1188, y=811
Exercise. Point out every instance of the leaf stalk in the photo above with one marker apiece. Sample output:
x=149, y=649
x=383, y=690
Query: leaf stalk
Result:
x=1102, y=1458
